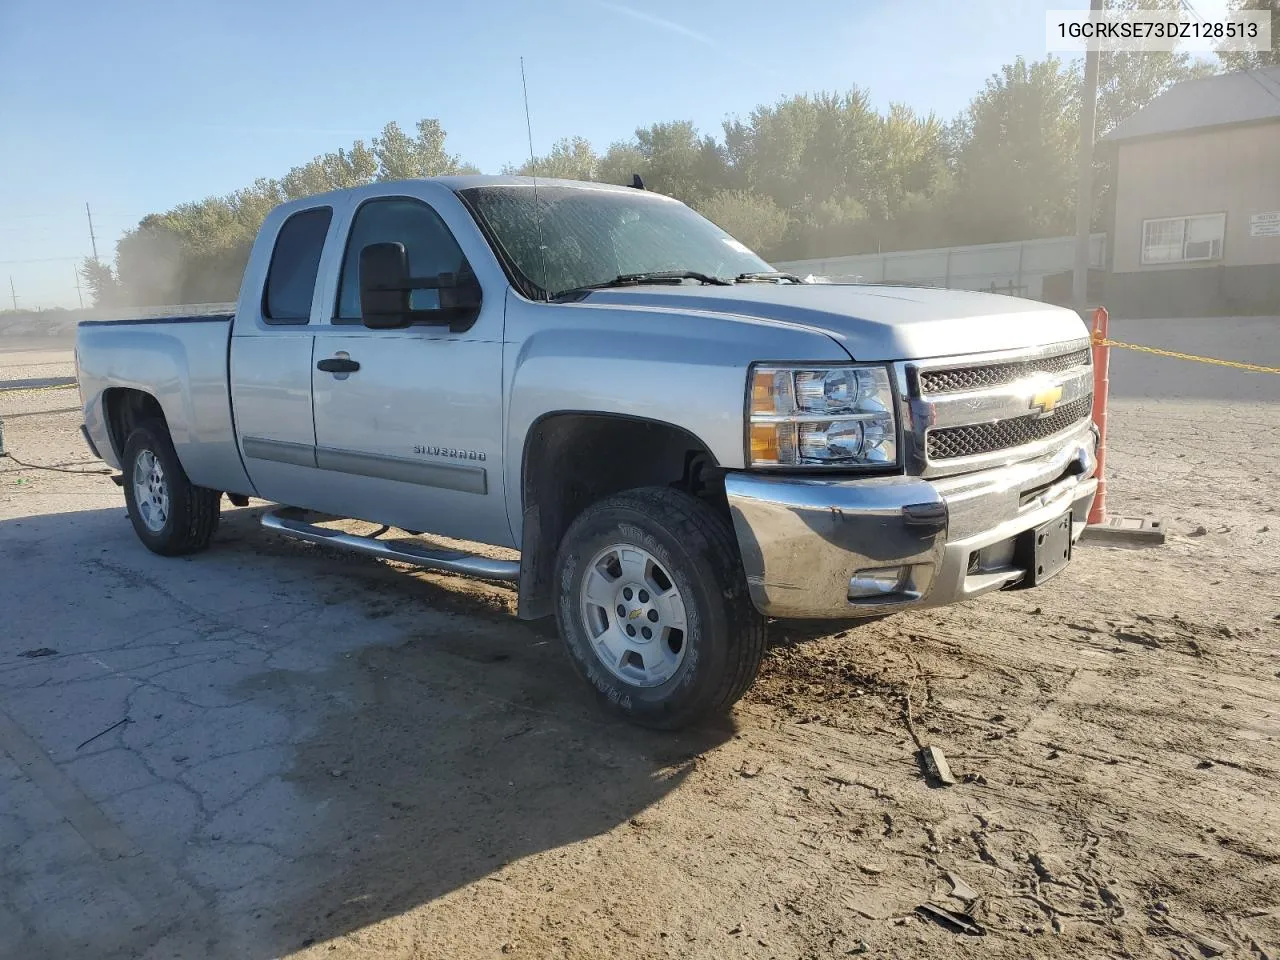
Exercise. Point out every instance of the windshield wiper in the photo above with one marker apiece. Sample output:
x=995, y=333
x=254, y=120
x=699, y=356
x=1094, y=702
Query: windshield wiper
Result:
x=655, y=276
x=667, y=276
x=767, y=275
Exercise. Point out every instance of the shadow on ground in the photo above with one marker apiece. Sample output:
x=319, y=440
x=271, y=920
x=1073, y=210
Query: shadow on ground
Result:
x=316, y=740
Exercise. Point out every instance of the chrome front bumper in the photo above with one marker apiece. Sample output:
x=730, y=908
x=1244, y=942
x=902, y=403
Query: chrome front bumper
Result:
x=811, y=546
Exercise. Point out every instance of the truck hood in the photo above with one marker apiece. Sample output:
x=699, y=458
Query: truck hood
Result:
x=873, y=322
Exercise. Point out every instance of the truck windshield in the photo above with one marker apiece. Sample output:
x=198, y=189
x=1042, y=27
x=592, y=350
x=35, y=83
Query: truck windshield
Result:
x=584, y=236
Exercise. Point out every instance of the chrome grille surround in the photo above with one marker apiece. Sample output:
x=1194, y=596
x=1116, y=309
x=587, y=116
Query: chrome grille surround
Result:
x=952, y=430
x=963, y=379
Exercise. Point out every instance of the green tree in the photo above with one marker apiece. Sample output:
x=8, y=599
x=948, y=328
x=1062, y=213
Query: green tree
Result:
x=1015, y=163
x=808, y=148
x=621, y=161
x=197, y=251
x=401, y=157
x=332, y=171
x=1255, y=58
x=104, y=287
x=571, y=158
x=671, y=158
x=842, y=171
x=755, y=220
x=908, y=152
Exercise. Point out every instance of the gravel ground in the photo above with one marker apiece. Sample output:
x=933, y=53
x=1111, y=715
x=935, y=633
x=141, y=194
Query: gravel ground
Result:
x=326, y=755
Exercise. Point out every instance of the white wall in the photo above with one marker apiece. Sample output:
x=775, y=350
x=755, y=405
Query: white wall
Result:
x=1017, y=268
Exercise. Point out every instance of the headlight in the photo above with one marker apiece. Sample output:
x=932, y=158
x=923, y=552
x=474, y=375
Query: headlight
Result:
x=821, y=416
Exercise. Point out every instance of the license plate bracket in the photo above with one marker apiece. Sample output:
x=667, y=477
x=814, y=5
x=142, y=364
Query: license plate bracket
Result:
x=1044, y=551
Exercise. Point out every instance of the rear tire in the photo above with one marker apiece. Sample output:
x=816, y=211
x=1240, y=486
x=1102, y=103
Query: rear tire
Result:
x=170, y=514
x=653, y=607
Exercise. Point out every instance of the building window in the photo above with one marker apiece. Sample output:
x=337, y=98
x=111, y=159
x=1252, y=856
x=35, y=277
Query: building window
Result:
x=1182, y=239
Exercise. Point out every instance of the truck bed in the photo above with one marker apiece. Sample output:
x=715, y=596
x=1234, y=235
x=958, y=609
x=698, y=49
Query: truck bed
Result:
x=183, y=362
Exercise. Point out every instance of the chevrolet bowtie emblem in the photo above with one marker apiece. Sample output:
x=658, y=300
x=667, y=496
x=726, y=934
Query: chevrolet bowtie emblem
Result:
x=634, y=614
x=1045, y=400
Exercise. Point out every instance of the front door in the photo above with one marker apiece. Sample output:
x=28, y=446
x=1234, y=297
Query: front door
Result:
x=408, y=423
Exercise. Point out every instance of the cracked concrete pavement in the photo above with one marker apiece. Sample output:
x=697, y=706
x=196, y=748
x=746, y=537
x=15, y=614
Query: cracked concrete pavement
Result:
x=179, y=742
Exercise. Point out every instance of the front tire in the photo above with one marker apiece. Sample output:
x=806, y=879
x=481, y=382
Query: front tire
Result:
x=170, y=514
x=653, y=607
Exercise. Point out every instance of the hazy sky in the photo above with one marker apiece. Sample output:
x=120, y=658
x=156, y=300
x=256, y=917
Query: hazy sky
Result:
x=135, y=105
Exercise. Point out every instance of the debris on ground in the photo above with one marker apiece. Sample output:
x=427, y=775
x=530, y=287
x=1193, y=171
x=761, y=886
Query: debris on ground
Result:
x=951, y=919
x=936, y=767
x=961, y=890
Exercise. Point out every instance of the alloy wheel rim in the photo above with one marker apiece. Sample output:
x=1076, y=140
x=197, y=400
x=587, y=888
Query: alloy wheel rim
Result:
x=634, y=615
x=151, y=491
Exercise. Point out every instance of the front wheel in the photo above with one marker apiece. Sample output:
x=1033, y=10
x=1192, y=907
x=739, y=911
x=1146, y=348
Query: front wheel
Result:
x=170, y=514
x=654, y=610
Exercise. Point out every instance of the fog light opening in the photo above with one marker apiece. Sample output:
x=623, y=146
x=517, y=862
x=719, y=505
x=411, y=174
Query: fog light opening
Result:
x=877, y=582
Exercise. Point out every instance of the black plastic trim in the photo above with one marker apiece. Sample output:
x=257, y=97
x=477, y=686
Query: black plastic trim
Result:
x=84, y=432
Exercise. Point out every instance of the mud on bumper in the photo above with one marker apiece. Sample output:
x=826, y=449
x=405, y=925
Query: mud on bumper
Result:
x=853, y=548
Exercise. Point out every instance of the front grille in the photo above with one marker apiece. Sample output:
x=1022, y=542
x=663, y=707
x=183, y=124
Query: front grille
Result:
x=961, y=379
x=947, y=443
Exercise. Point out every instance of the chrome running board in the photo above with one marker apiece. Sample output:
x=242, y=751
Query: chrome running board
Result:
x=293, y=522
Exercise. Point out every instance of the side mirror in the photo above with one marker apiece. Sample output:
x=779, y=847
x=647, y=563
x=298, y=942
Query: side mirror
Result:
x=384, y=286
x=386, y=292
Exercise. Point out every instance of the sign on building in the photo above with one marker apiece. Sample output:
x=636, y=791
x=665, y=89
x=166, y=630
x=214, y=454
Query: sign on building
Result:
x=1265, y=224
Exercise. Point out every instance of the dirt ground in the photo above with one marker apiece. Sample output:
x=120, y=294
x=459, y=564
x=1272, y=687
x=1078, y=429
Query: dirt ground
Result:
x=272, y=749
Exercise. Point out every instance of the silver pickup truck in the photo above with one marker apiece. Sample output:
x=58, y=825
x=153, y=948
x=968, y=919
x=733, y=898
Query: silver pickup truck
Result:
x=679, y=441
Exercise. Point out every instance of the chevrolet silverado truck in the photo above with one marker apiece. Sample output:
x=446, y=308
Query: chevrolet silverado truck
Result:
x=679, y=440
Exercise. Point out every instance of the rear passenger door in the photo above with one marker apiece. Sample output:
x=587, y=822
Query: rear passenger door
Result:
x=270, y=363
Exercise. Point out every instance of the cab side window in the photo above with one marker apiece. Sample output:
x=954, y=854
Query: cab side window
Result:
x=429, y=246
x=295, y=261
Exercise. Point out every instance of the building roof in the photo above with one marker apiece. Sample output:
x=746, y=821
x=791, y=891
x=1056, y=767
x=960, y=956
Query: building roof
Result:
x=1246, y=96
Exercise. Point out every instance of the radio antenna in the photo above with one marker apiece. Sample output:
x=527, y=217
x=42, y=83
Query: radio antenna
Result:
x=533, y=173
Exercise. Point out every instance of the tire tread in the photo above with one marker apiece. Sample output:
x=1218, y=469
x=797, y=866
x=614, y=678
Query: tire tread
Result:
x=199, y=508
x=705, y=532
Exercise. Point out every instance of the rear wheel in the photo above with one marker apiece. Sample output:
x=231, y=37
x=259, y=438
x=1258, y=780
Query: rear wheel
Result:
x=171, y=515
x=654, y=610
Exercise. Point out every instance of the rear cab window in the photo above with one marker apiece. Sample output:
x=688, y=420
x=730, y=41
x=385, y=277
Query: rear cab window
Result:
x=295, y=263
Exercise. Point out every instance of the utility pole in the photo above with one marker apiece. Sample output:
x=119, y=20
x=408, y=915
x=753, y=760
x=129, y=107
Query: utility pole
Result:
x=1084, y=183
x=92, y=239
x=12, y=293
x=78, y=293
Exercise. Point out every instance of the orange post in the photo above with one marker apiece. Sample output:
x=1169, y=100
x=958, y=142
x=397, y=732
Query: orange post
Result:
x=1101, y=381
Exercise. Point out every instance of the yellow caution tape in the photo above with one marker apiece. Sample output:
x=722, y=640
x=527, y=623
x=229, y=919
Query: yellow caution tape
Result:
x=1255, y=367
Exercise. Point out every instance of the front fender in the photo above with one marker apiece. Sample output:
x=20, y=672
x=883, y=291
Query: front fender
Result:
x=677, y=367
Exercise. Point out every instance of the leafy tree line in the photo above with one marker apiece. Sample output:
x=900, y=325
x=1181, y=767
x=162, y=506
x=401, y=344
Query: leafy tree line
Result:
x=196, y=252
x=811, y=175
